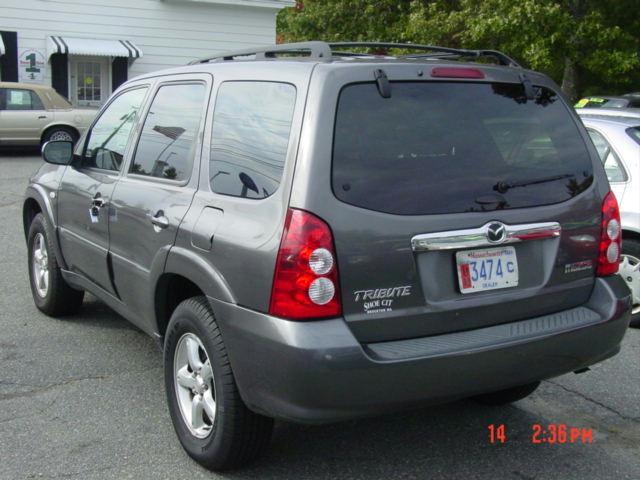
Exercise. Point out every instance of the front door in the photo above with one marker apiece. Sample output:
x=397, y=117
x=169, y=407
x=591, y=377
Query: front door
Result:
x=90, y=85
x=86, y=188
x=152, y=198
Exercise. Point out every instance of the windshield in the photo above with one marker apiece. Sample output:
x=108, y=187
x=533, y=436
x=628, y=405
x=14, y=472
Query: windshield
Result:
x=599, y=102
x=440, y=147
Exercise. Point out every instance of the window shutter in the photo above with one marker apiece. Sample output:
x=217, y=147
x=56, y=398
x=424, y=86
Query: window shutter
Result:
x=60, y=74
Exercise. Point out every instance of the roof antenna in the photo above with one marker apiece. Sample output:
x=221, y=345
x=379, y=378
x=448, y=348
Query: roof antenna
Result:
x=384, y=88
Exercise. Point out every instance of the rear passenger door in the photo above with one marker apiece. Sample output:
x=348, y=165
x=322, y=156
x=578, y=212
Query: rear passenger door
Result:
x=154, y=194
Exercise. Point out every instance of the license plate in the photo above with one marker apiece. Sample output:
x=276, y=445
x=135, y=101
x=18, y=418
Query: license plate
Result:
x=487, y=269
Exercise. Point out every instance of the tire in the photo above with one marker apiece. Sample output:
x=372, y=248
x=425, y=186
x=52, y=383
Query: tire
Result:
x=630, y=272
x=235, y=436
x=60, y=133
x=507, y=396
x=51, y=294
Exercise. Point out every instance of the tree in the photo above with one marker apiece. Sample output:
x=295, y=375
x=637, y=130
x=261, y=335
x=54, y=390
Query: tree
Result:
x=586, y=45
x=339, y=20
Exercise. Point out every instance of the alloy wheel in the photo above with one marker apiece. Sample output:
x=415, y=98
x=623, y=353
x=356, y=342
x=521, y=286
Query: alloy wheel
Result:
x=630, y=271
x=61, y=135
x=194, y=385
x=40, y=265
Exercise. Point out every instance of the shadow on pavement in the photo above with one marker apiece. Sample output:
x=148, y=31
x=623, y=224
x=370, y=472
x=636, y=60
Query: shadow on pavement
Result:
x=19, y=152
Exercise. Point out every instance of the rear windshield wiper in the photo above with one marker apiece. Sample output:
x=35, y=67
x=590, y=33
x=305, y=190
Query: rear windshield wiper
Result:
x=504, y=187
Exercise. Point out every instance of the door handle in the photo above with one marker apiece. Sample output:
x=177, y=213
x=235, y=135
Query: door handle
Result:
x=98, y=202
x=42, y=117
x=159, y=221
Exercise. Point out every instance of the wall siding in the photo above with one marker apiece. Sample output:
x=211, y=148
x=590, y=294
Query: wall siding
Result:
x=169, y=33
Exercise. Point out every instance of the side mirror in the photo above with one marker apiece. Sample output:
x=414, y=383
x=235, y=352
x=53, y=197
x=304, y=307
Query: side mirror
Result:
x=58, y=152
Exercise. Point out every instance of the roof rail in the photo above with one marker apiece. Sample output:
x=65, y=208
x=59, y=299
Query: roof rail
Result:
x=319, y=50
x=449, y=52
x=323, y=51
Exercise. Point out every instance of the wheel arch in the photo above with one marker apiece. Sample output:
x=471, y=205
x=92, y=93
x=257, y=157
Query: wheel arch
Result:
x=37, y=201
x=630, y=234
x=30, y=208
x=65, y=125
x=186, y=274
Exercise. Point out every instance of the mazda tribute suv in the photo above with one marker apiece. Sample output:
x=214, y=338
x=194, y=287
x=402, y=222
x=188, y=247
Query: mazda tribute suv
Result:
x=315, y=233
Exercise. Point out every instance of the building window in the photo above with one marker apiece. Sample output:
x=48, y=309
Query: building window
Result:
x=88, y=78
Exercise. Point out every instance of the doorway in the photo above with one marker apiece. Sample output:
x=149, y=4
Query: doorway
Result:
x=90, y=80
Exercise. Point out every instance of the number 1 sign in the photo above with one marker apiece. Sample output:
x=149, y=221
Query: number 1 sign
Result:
x=31, y=66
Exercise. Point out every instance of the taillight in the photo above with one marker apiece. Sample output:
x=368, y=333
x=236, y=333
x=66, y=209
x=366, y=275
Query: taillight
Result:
x=610, y=237
x=305, y=283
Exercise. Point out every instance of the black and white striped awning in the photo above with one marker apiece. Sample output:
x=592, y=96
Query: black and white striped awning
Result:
x=92, y=46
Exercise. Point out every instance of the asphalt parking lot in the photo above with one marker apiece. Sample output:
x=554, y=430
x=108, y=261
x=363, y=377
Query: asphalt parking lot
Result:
x=84, y=398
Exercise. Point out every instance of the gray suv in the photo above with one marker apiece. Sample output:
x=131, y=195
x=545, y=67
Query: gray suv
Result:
x=313, y=233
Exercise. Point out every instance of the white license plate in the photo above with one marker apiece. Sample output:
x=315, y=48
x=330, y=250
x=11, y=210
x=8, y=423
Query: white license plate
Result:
x=487, y=269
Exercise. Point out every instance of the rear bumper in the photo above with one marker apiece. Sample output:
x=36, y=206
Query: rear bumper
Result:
x=317, y=372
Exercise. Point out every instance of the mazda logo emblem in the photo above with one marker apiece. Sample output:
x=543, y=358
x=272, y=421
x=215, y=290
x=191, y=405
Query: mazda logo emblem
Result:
x=496, y=232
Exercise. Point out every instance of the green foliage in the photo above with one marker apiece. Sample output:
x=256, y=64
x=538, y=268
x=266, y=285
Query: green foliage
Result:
x=594, y=41
x=339, y=20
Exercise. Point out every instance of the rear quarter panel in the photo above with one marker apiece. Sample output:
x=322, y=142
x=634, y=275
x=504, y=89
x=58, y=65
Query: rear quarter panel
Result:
x=246, y=234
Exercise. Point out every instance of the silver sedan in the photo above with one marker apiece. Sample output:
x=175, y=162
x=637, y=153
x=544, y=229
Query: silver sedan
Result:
x=617, y=140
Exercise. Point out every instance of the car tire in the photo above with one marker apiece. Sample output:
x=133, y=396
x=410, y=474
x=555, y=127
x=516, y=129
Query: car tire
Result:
x=630, y=272
x=60, y=133
x=51, y=294
x=221, y=433
x=507, y=396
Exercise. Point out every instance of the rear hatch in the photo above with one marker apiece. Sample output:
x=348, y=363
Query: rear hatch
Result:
x=458, y=204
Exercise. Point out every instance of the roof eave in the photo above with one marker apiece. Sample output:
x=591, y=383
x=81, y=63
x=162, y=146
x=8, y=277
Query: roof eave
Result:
x=270, y=4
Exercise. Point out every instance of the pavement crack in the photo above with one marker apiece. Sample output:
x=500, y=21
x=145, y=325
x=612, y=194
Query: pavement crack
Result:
x=596, y=402
x=51, y=386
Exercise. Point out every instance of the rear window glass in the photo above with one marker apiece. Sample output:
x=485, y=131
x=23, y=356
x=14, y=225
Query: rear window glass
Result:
x=442, y=147
x=634, y=132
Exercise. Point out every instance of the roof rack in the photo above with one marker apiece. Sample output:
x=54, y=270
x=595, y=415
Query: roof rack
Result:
x=323, y=51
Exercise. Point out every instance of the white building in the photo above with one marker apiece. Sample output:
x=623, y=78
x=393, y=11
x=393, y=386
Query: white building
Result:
x=85, y=49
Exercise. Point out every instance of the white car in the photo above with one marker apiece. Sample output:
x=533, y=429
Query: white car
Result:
x=617, y=140
x=33, y=114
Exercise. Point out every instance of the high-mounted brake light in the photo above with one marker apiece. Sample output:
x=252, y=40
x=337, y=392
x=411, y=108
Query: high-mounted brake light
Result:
x=610, y=237
x=305, y=283
x=456, y=72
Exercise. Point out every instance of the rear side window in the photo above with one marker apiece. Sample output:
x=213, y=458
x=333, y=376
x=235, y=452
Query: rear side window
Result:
x=612, y=166
x=21, y=99
x=251, y=126
x=167, y=143
x=440, y=147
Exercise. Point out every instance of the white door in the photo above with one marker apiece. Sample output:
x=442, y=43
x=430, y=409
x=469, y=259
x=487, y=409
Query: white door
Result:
x=90, y=80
